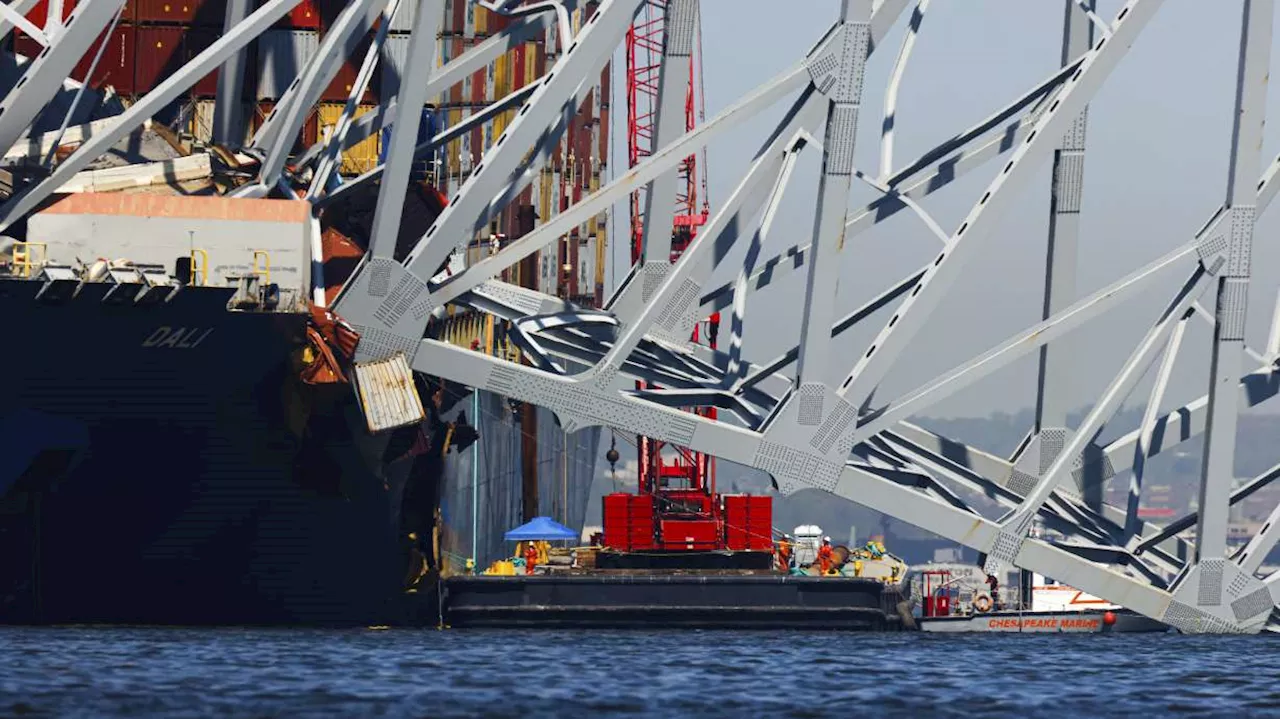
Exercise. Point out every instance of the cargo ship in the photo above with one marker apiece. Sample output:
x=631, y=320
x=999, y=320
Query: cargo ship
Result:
x=180, y=443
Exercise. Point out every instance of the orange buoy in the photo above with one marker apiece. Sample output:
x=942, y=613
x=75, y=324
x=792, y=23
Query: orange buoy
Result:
x=1109, y=618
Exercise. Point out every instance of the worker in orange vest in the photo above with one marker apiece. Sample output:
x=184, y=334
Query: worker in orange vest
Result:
x=825, y=556
x=784, y=553
x=530, y=557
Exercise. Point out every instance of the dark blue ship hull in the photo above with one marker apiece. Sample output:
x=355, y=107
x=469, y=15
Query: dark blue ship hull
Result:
x=162, y=464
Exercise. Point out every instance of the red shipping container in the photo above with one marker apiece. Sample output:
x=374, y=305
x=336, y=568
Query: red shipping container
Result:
x=196, y=41
x=161, y=53
x=116, y=68
x=690, y=533
x=208, y=13
x=307, y=137
x=345, y=79
x=304, y=16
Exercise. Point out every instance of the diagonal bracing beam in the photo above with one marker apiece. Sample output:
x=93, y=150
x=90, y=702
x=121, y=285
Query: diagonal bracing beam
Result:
x=404, y=135
x=1232, y=300
x=1014, y=527
x=337, y=141
x=1054, y=387
x=871, y=367
x=931, y=172
x=1133, y=525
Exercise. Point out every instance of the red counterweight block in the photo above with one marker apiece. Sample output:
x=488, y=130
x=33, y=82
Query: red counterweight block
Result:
x=628, y=522
x=748, y=522
x=690, y=534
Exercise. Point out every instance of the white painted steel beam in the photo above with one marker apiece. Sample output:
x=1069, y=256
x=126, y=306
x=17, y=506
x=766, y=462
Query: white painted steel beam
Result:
x=228, y=113
x=1020, y=344
x=875, y=363
x=1236, y=225
x=1013, y=528
x=801, y=432
x=13, y=15
x=670, y=156
x=404, y=135
x=336, y=143
x=1054, y=393
x=285, y=121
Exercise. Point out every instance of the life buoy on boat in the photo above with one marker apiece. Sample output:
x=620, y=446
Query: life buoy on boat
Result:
x=982, y=603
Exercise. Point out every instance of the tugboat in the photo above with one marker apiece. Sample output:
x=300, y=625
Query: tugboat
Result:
x=950, y=603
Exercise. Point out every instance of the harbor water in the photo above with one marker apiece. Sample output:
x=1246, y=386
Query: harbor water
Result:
x=173, y=672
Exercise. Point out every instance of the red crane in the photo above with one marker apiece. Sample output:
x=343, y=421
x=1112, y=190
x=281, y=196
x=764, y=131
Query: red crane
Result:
x=676, y=487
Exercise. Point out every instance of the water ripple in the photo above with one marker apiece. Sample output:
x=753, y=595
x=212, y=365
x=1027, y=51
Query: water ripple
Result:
x=135, y=672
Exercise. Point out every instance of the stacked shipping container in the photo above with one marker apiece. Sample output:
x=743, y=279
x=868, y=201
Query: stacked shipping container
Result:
x=574, y=267
x=155, y=38
x=517, y=440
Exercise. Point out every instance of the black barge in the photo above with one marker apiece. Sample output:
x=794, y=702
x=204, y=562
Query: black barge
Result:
x=684, y=600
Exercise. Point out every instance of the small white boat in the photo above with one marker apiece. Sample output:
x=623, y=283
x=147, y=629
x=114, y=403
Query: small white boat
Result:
x=1054, y=608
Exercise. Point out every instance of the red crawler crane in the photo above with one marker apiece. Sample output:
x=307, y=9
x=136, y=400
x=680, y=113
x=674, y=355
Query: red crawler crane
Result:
x=676, y=507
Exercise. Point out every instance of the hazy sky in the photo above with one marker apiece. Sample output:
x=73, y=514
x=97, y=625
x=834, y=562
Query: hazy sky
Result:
x=1159, y=135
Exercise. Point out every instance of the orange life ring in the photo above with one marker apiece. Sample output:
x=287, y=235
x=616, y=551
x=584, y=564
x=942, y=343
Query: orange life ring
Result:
x=982, y=603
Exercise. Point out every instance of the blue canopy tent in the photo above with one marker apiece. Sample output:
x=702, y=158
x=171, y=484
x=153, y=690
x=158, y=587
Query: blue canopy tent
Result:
x=541, y=528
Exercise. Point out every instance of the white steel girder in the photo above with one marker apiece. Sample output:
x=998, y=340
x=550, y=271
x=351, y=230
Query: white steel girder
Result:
x=795, y=425
x=804, y=431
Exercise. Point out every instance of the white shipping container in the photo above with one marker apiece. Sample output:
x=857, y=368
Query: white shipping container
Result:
x=547, y=271
x=405, y=15
x=387, y=393
x=586, y=267
x=555, y=194
x=282, y=56
x=202, y=120
x=394, y=56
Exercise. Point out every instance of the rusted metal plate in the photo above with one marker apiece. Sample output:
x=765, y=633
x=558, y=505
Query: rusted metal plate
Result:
x=387, y=393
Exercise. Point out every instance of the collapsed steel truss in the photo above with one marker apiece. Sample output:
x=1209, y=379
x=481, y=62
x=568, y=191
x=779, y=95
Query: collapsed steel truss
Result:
x=803, y=431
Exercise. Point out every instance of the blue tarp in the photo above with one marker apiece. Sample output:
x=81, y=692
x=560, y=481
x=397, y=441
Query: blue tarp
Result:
x=541, y=528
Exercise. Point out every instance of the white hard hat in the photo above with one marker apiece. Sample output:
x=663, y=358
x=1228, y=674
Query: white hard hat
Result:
x=826, y=539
